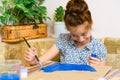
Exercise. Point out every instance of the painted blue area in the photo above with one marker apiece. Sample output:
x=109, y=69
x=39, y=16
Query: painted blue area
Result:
x=0, y=77
x=9, y=76
x=67, y=67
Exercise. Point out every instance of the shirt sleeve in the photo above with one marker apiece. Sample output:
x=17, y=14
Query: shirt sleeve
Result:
x=102, y=52
x=60, y=41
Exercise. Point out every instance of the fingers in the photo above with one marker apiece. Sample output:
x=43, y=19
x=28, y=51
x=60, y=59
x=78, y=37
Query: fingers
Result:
x=30, y=55
x=93, y=60
x=34, y=50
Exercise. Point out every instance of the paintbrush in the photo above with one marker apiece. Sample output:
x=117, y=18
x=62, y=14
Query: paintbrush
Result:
x=40, y=64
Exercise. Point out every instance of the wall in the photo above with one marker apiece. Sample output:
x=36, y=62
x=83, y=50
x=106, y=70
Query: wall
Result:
x=105, y=13
x=106, y=16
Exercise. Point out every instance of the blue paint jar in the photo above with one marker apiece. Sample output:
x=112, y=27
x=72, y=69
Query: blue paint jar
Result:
x=94, y=55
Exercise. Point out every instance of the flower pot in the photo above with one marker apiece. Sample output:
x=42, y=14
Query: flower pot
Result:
x=59, y=27
x=16, y=33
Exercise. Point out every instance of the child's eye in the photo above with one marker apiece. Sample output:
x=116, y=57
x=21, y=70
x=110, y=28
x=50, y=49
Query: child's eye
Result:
x=84, y=34
x=74, y=35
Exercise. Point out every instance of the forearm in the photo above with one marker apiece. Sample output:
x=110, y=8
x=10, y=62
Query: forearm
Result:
x=50, y=54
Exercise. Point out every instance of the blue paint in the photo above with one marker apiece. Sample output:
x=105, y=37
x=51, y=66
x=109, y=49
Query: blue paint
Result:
x=0, y=77
x=94, y=55
x=9, y=76
x=67, y=67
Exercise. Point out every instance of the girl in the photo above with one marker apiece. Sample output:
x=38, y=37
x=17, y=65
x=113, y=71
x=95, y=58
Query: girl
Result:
x=77, y=46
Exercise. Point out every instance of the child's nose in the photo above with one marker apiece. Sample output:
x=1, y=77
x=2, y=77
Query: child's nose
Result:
x=81, y=39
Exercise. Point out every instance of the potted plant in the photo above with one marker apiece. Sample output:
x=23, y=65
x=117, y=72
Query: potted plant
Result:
x=59, y=26
x=22, y=12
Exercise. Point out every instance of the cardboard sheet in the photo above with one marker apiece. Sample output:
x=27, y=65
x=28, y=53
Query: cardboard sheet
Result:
x=101, y=71
x=114, y=74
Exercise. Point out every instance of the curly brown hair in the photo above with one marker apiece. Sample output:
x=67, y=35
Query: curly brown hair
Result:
x=76, y=13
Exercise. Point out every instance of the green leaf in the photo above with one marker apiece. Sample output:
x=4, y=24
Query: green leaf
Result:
x=2, y=19
x=40, y=1
x=18, y=1
x=59, y=14
x=22, y=12
x=1, y=9
x=4, y=2
x=23, y=8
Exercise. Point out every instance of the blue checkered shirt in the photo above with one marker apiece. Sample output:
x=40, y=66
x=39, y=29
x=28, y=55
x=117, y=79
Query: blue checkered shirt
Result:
x=72, y=54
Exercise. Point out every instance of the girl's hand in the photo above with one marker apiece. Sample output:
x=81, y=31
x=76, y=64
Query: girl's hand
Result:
x=30, y=55
x=94, y=61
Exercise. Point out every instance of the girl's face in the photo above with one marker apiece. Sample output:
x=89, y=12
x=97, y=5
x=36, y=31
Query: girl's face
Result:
x=80, y=34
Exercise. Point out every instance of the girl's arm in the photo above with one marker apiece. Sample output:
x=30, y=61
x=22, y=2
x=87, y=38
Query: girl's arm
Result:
x=31, y=52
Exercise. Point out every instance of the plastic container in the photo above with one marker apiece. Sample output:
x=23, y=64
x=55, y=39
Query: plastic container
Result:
x=9, y=69
x=23, y=72
x=102, y=78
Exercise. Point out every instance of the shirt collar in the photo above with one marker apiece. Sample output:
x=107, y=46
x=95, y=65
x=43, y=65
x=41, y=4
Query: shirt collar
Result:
x=71, y=41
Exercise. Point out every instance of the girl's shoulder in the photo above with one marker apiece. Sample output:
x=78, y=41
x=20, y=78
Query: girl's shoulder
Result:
x=97, y=41
x=64, y=36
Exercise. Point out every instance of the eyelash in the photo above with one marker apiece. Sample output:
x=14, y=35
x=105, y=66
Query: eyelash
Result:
x=84, y=34
x=81, y=35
